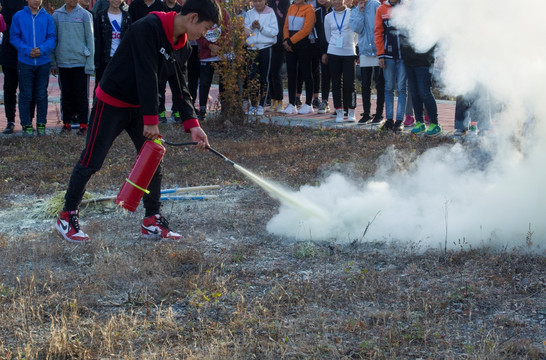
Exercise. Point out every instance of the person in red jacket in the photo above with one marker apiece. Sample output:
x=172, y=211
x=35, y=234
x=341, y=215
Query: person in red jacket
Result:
x=127, y=99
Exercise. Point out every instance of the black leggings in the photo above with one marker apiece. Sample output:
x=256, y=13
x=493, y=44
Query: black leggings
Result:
x=299, y=60
x=315, y=70
x=277, y=58
x=343, y=66
x=261, y=67
x=367, y=74
x=206, y=73
x=74, y=84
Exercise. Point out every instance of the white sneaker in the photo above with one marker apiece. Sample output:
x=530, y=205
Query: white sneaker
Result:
x=351, y=116
x=339, y=116
x=260, y=110
x=251, y=111
x=290, y=109
x=306, y=109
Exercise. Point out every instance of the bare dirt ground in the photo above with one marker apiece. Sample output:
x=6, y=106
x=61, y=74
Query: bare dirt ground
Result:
x=230, y=289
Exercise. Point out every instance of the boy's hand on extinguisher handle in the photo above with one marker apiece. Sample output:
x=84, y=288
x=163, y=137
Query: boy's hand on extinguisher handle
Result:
x=151, y=131
x=199, y=136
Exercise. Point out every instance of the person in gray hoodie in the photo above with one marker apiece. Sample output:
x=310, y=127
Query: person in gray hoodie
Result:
x=362, y=22
x=73, y=61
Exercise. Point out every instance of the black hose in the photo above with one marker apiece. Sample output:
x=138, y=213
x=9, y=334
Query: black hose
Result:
x=206, y=147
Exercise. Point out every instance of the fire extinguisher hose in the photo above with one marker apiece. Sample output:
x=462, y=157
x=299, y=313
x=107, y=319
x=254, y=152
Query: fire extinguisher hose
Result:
x=206, y=147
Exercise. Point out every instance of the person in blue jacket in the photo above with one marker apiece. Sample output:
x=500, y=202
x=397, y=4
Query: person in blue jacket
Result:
x=362, y=22
x=32, y=33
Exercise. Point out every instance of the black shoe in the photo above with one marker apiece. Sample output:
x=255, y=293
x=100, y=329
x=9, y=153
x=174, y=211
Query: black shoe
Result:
x=66, y=129
x=298, y=101
x=388, y=125
x=365, y=119
x=202, y=115
x=377, y=119
x=316, y=103
x=398, y=126
x=9, y=128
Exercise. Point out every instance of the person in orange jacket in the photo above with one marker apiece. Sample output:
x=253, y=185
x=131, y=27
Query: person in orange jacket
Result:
x=297, y=27
x=387, y=42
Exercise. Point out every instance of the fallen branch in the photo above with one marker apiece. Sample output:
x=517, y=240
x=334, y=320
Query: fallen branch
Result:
x=50, y=208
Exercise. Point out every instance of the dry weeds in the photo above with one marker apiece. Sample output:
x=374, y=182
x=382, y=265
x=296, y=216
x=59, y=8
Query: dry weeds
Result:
x=231, y=290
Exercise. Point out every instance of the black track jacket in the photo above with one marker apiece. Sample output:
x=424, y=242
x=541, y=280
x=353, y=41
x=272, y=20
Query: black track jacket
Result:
x=131, y=78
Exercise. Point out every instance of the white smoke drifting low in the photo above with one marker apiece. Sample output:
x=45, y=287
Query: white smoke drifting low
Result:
x=487, y=195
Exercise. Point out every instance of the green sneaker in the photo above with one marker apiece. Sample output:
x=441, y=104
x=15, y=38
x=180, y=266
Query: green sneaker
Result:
x=28, y=131
x=418, y=128
x=176, y=116
x=433, y=130
x=40, y=129
x=162, y=117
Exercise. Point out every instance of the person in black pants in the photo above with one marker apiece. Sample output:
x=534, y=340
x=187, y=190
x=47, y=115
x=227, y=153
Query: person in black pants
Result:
x=8, y=60
x=127, y=99
x=298, y=25
x=193, y=68
x=171, y=5
x=324, y=8
x=280, y=7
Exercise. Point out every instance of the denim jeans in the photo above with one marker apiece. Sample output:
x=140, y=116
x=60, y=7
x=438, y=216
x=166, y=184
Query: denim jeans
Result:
x=395, y=77
x=420, y=85
x=33, y=80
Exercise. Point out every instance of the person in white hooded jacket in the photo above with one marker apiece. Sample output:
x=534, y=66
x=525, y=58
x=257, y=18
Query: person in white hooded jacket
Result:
x=262, y=29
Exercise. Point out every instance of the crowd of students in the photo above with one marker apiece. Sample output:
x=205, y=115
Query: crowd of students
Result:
x=322, y=42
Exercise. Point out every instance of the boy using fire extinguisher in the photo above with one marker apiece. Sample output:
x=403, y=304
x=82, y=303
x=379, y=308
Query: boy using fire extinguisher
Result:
x=127, y=99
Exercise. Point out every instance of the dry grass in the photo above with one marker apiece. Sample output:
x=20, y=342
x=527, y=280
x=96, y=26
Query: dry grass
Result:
x=230, y=290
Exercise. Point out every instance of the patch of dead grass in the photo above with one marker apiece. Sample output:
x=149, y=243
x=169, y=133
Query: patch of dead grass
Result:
x=232, y=291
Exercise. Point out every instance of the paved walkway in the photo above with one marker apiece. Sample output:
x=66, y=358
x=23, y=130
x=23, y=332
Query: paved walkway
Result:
x=446, y=111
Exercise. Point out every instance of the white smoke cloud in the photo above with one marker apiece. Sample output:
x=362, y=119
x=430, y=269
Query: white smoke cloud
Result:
x=488, y=194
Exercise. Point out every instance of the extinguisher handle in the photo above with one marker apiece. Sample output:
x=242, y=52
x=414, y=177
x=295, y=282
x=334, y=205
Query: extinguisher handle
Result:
x=206, y=147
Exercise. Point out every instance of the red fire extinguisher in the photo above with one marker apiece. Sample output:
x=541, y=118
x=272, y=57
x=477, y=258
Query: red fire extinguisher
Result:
x=141, y=174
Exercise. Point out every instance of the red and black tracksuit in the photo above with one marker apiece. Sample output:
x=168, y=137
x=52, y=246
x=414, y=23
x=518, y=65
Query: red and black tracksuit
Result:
x=127, y=99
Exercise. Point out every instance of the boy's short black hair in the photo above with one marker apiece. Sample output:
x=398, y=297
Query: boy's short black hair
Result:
x=207, y=10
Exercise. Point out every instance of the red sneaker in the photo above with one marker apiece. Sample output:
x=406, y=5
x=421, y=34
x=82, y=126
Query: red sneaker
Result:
x=156, y=226
x=69, y=227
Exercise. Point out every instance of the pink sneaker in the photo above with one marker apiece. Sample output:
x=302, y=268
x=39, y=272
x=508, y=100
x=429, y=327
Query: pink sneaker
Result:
x=409, y=122
x=427, y=120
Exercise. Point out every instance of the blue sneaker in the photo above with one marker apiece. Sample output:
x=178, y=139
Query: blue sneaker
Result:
x=433, y=130
x=419, y=128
